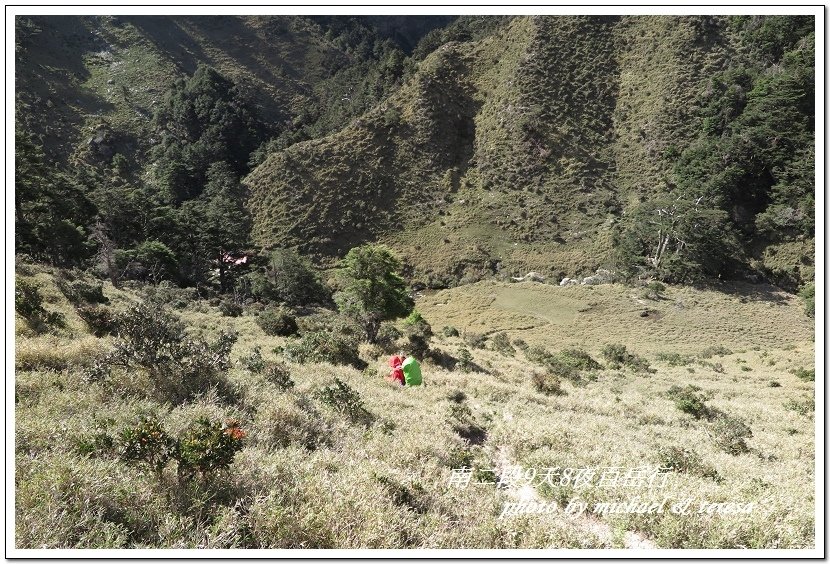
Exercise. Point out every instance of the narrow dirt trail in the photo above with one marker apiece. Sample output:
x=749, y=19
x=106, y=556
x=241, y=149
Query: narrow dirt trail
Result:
x=589, y=522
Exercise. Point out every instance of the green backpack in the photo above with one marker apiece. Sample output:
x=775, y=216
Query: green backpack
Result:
x=412, y=372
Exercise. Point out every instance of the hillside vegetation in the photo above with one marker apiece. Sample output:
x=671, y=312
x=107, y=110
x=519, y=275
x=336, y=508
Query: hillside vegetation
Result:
x=558, y=128
x=679, y=148
x=595, y=233
x=326, y=455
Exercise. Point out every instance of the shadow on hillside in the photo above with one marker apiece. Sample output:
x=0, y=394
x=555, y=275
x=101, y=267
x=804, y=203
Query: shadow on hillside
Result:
x=747, y=292
x=169, y=37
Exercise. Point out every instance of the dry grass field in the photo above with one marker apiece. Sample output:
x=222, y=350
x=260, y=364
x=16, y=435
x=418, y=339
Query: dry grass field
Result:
x=310, y=476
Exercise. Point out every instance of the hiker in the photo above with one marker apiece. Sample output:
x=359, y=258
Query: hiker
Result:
x=405, y=371
x=396, y=363
x=411, y=371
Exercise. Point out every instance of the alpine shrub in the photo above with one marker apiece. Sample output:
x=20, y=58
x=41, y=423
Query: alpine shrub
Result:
x=209, y=447
x=277, y=321
x=323, y=346
x=344, y=399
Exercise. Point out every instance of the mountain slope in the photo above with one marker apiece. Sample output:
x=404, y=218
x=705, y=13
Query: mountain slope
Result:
x=519, y=148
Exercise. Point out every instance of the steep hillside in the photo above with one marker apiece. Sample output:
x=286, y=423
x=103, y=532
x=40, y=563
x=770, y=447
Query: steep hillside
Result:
x=519, y=148
x=76, y=75
x=672, y=147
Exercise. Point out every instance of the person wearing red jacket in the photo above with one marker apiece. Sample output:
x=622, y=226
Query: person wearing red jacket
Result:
x=396, y=362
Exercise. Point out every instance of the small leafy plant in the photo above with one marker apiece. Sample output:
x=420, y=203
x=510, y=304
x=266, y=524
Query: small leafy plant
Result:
x=689, y=400
x=344, y=399
x=147, y=442
x=209, y=447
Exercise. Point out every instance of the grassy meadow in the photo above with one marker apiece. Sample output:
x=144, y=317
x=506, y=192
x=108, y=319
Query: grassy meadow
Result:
x=310, y=475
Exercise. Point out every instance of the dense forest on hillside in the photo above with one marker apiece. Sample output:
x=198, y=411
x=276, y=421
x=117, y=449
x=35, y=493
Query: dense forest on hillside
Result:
x=674, y=148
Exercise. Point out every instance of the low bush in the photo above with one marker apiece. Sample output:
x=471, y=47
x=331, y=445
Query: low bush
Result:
x=714, y=350
x=654, y=290
x=152, y=339
x=688, y=400
x=208, y=447
x=679, y=459
x=28, y=303
x=500, y=343
x=147, y=442
x=418, y=334
x=618, y=356
x=279, y=375
x=808, y=296
x=808, y=375
x=229, y=308
x=277, y=322
x=449, y=331
x=674, y=359
x=579, y=359
x=801, y=407
x=475, y=340
x=465, y=359
x=388, y=336
x=344, y=399
x=729, y=434
x=520, y=344
x=323, y=346
x=99, y=319
x=548, y=384
x=254, y=361
x=81, y=291
x=537, y=354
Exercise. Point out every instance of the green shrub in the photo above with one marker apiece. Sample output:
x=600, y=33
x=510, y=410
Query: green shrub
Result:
x=413, y=318
x=520, y=344
x=714, y=350
x=674, y=359
x=418, y=334
x=537, y=354
x=344, y=399
x=808, y=296
x=147, y=442
x=28, y=303
x=388, y=335
x=209, y=447
x=449, y=331
x=729, y=432
x=688, y=400
x=81, y=291
x=618, y=356
x=802, y=408
x=560, y=369
x=152, y=339
x=579, y=359
x=548, y=383
x=501, y=344
x=808, y=375
x=99, y=319
x=230, y=308
x=774, y=384
x=323, y=346
x=254, y=361
x=465, y=359
x=279, y=375
x=679, y=459
x=277, y=321
x=615, y=354
x=475, y=340
x=654, y=290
